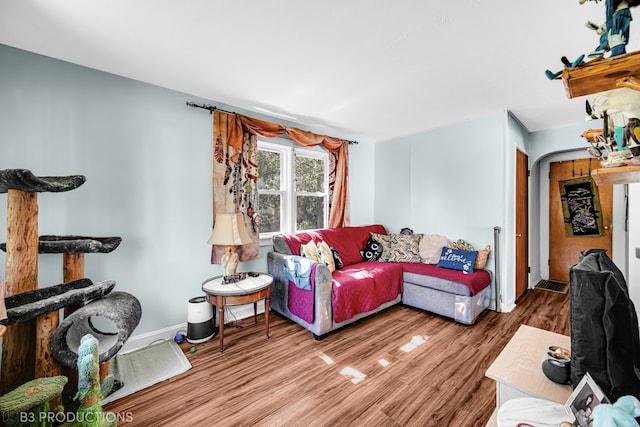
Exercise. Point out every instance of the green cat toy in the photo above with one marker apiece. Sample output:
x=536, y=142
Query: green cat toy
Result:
x=90, y=391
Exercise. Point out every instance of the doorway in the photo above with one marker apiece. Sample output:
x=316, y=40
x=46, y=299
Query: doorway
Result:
x=564, y=246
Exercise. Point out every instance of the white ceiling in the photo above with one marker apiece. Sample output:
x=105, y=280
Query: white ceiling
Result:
x=367, y=70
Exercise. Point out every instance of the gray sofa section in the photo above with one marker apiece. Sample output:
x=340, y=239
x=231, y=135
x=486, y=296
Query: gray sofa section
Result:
x=323, y=314
x=428, y=294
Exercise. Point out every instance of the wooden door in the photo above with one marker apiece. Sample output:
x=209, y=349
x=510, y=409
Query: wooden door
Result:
x=564, y=251
x=522, y=220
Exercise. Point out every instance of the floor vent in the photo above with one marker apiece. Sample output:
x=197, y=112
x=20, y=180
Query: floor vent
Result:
x=551, y=285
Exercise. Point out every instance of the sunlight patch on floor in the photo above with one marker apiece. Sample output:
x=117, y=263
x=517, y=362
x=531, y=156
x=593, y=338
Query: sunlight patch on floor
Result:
x=356, y=376
x=384, y=363
x=416, y=341
x=326, y=359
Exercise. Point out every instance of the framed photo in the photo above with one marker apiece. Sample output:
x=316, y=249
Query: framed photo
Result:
x=585, y=397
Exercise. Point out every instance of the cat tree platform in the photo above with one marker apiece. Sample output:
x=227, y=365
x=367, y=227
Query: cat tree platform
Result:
x=19, y=361
x=29, y=305
x=25, y=180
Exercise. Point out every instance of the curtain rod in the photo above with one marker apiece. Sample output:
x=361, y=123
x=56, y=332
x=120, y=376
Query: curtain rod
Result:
x=212, y=108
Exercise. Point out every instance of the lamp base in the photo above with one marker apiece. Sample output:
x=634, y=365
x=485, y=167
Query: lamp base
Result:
x=229, y=261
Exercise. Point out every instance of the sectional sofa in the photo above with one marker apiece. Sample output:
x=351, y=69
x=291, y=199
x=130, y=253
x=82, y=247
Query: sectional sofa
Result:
x=330, y=278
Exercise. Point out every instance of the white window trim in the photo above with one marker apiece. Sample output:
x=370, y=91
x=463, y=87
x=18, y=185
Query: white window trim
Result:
x=288, y=150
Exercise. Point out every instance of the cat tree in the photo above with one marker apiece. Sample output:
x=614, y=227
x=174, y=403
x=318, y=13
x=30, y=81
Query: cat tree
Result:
x=33, y=314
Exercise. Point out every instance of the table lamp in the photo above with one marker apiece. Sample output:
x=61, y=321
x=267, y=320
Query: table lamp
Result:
x=229, y=231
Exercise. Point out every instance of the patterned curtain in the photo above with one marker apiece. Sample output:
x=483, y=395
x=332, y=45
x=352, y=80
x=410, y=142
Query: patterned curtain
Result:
x=235, y=179
x=235, y=173
x=339, y=215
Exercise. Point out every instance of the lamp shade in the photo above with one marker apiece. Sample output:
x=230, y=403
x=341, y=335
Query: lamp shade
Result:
x=229, y=230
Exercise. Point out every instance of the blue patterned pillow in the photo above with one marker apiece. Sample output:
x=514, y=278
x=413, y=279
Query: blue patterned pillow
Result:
x=457, y=259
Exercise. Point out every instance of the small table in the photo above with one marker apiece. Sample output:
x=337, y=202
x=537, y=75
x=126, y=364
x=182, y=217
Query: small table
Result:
x=248, y=290
x=518, y=368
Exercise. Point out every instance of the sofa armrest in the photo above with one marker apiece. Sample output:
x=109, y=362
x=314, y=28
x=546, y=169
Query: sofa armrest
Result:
x=323, y=314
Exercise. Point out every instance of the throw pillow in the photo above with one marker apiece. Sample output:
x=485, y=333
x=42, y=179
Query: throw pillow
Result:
x=336, y=258
x=457, y=259
x=373, y=248
x=483, y=255
x=402, y=248
x=326, y=256
x=463, y=245
x=310, y=250
x=431, y=248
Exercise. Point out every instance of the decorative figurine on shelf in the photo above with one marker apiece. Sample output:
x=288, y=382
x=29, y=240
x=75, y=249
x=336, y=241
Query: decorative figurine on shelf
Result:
x=90, y=392
x=567, y=64
x=614, y=33
x=631, y=135
x=597, y=140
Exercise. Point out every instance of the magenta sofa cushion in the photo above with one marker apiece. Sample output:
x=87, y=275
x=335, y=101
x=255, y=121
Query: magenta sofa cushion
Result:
x=362, y=287
x=348, y=241
x=296, y=240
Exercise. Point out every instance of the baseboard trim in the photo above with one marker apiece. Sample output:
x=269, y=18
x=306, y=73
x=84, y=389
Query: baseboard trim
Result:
x=143, y=340
x=508, y=307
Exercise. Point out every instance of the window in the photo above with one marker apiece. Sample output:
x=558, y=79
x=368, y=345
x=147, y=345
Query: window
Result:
x=293, y=188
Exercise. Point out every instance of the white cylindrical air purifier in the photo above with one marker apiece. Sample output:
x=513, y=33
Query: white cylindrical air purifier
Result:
x=200, y=320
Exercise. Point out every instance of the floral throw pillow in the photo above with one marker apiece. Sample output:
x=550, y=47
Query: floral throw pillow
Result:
x=326, y=256
x=310, y=250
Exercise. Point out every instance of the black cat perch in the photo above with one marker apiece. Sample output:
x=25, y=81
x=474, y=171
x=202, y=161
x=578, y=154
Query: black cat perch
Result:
x=35, y=339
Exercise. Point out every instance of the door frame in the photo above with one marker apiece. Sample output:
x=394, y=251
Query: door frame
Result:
x=539, y=221
x=522, y=225
x=567, y=248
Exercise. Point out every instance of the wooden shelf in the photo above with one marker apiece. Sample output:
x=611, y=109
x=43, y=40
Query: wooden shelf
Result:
x=601, y=74
x=620, y=175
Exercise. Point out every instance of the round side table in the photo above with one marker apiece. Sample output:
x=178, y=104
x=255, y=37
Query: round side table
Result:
x=250, y=289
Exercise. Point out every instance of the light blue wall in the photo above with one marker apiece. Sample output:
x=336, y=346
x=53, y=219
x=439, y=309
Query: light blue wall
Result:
x=361, y=181
x=449, y=181
x=147, y=160
x=392, y=184
x=565, y=138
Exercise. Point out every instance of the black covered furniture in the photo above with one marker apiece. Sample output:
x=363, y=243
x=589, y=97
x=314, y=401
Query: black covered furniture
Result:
x=604, y=326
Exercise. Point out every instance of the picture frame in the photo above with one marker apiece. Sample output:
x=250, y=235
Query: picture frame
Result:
x=585, y=397
x=581, y=207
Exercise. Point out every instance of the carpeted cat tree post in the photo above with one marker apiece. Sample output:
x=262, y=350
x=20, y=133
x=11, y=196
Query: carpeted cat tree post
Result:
x=73, y=249
x=22, y=341
x=33, y=314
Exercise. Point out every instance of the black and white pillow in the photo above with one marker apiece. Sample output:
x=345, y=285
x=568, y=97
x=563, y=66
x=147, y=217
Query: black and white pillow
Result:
x=336, y=258
x=372, y=250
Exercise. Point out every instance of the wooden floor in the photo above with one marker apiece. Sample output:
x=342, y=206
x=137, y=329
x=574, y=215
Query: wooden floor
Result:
x=402, y=367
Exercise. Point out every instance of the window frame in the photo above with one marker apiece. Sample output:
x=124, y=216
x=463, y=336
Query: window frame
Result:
x=289, y=151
